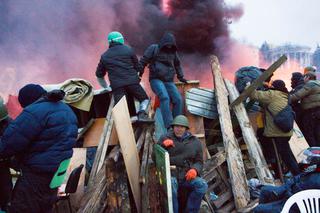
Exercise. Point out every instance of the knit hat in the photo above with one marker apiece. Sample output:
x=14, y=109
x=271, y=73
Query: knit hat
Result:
x=29, y=94
x=279, y=85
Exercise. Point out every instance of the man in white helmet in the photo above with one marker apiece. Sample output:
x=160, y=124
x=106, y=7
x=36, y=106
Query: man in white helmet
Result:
x=122, y=66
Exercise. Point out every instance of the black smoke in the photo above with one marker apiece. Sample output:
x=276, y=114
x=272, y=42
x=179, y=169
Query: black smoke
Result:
x=53, y=40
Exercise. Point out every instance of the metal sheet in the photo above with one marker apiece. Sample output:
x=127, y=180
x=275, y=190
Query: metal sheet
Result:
x=201, y=102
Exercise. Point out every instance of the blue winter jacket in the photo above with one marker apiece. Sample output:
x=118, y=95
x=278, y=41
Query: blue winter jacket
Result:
x=41, y=137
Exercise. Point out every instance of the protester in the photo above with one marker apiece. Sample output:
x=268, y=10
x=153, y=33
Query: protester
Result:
x=5, y=176
x=122, y=66
x=309, y=95
x=164, y=64
x=297, y=83
x=273, y=101
x=40, y=138
x=185, y=153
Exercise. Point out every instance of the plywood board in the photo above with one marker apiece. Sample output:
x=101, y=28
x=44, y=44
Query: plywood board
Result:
x=93, y=135
x=164, y=175
x=121, y=117
x=298, y=143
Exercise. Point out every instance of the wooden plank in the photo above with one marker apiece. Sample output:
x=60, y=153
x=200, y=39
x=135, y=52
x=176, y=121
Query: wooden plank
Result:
x=212, y=164
x=94, y=196
x=144, y=160
x=163, y=170
x=259, y=81
x=102, y=147
x=144, y=189
x=234, y=157
x=298, y=143
x=253, y=146
x=222, y=199
x=121, y=116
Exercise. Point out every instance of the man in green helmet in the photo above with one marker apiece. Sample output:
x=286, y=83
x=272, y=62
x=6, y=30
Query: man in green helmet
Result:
x=122, y=66
x=185, y=153
x=5, y=176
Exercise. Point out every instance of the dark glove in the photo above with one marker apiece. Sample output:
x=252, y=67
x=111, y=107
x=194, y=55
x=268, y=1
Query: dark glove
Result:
x=183, y=80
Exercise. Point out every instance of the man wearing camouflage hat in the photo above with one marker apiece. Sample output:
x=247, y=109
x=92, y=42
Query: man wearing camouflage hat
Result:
x=185, y=153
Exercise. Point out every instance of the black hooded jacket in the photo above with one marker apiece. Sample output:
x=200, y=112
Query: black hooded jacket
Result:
x=122, y=66
x=164, y=62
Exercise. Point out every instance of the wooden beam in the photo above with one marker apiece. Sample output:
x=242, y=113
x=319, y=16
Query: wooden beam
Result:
x=259, y=81
x=103, y=144
x=234, y=157
x=121, y=116
x=253, y=146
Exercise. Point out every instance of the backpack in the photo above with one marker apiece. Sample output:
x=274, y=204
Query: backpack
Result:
x=284, y=120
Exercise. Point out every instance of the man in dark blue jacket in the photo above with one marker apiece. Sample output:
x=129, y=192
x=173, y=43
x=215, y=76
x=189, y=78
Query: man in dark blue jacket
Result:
x=5, y=176
x=40, y=138
x=164, y=64
x=122, y=66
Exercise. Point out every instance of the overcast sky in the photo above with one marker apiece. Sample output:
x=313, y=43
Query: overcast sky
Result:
x=278, y=22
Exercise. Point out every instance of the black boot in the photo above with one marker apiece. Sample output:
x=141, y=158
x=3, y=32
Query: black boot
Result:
x=143, y=117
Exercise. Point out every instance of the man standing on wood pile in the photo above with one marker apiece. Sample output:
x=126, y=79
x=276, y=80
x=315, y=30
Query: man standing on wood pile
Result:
x=164, y=64
x=309, y=95
x=122, y=66
x=273, y=101
x=5, y=176
x=40, y=138
x=185, y=153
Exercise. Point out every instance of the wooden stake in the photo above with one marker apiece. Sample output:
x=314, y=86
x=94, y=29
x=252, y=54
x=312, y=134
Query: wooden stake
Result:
x=234, y=157
x=254, y=149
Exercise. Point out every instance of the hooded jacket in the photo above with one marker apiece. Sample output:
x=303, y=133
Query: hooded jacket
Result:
x=122, y=66
x=275, y=101
x=163, y=62
x=186, y=154
x=42, y=136
x=309, y=95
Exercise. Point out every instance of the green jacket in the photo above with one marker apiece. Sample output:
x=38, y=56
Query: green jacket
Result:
x=309, y=95
x=185, y=155
x=275, y=101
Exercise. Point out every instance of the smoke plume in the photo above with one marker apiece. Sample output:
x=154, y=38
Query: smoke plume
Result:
x=53, y=40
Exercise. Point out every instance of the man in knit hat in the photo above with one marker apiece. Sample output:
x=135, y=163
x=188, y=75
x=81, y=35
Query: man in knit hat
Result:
x=40, y=138
x=273, y=101
x=309, y=95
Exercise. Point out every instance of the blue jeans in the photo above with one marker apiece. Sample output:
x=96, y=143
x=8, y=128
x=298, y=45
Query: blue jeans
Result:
x=167, y=91
x=196, y=188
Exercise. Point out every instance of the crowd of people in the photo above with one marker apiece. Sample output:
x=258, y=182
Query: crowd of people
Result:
x=43, y=135
x=41, y=138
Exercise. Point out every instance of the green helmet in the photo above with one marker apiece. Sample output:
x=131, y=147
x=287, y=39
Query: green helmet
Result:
x=3, y=110
x=115, y=37
x=180, y=120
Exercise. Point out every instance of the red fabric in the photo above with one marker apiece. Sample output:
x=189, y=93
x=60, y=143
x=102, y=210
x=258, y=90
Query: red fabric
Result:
x=191, y=174
x=13, y=106
x=168, y=143
x=156, y=103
